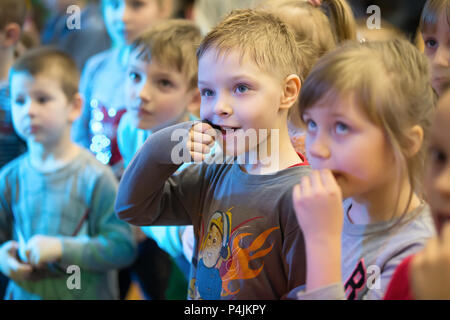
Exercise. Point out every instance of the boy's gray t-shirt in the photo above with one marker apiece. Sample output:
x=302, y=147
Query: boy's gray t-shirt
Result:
x=248, y=244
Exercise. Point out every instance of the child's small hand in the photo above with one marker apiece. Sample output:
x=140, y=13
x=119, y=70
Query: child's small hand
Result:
x=10, y=266
x=318, y=205
x=201, y=140
x=430, y=269
x=43, y=249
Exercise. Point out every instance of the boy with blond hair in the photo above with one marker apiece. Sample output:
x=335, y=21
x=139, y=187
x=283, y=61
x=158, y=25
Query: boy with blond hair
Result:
x=56, y=200
x=102, y=78
x=247, y=244
x=161, y=89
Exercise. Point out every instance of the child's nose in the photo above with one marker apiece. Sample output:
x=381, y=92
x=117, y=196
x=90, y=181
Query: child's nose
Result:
x=32, y=109
x=222, y=107
x=145, y=93
x=318, y=147
x=125, y=14
x=442, y=56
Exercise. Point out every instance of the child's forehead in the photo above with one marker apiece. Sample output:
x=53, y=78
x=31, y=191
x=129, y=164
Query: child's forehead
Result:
x=233, y=59
x=152, y=65
x=44, y=80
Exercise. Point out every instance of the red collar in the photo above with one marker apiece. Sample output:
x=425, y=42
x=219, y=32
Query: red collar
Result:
x=304, y=163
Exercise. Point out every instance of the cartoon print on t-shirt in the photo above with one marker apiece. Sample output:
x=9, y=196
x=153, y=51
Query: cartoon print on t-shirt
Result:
x=222, y=259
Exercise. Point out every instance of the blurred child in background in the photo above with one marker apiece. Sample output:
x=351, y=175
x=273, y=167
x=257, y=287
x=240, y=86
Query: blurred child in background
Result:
x=56, y=200
x=102, y=78
x=161, y=88
x=435, y=28
x=426, y=275
x=80, y=41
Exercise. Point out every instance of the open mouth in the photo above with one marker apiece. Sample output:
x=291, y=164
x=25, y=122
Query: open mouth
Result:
x=225, y=130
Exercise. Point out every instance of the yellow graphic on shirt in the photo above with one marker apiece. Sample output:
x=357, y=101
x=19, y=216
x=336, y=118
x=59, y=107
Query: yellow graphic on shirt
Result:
x=222, y=259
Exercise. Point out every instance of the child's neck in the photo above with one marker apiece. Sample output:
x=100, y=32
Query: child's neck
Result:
x=51, y=157
x=381, y=205
x=273, y=155
x=6, y=62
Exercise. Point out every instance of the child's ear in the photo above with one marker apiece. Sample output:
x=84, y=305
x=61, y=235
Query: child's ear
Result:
x=11, y=34
x=76, y=105
x=291, y=89
x=194, y=105
x=415, y=137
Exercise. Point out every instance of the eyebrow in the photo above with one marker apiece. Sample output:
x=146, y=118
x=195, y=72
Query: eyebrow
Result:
x=232, y=79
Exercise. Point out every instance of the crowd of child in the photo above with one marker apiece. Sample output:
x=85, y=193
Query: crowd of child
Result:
x=282, y=151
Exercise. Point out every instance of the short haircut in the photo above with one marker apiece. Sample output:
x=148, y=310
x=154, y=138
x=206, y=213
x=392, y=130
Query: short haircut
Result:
x=259, y=35
x=431, y=12
x=12, y=11
x=52, y=62
x=172, y=43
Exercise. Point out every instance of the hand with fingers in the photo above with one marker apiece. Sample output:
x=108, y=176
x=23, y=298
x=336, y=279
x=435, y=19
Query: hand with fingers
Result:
x=42, y=249
x=201, y=139
x=430, y=269
x=318, y=206
x=10, y=265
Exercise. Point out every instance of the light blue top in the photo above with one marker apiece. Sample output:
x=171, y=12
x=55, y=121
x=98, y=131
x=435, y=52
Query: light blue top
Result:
x=53, y=204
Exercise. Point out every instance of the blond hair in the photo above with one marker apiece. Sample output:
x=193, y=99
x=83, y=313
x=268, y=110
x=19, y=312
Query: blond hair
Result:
x=431, y=13
x=52, y=62
x=172, y=43
x=389, y=81
x=315, y=32
x=258, y=35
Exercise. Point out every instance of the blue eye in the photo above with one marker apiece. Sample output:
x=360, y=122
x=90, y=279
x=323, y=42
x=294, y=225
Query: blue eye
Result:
x=341, y=128
x=165, y=83
x=43, y=99
x=135, y=77
x=311, y=125
x=430, y=43
x=206, y=93
x=242, y=88
x=438, y=156
x=20, y=101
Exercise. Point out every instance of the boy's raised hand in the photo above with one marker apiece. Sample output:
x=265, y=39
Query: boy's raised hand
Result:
x=318, y=204
x=201, y=139
x=10, y=266
x=430, y=269
x=43, y=249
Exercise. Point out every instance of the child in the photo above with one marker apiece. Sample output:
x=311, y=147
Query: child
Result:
x=316, y=34
x=82, y=41
x=56, y=201
x=247, y=243
x=426, y=274
x=102, y=79
x=367, y=110
x=162, y=90
x=435, y=29
x=12, y=16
